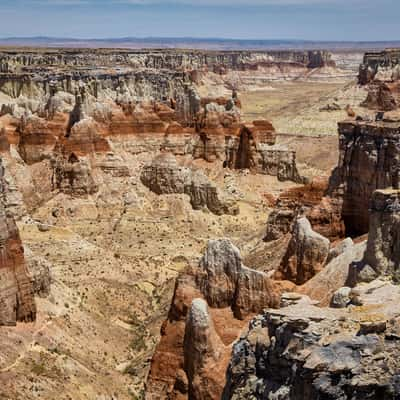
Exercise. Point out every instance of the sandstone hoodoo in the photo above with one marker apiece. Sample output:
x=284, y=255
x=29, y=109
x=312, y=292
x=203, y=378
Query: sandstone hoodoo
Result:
x=16, y=284
x=231, y=293
x=306, y=254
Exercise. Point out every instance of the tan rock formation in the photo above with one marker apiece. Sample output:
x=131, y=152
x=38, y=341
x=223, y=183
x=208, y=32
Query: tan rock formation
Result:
x=73, y=175
x=204, y=359
x=306, y=254
x=225, y=282
x=165, y=176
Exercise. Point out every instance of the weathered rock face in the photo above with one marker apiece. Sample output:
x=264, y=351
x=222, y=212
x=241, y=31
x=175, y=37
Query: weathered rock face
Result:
x=40, y=270
x=336, y=274
x=14, y=62
x=377, y=63
x=16, y=286
x=84, y=138
x=254, y=148
x=306, y=254
x=165, y=176
x=38, y=137
x=309, y=200
x=203, y=351
x=225, y=282
x=233, y=293
x=72, y=175
x=383, y=249
x=369, y=160
x=298, y=353
x=381, y=73
x=221, y=266
x=383, y=96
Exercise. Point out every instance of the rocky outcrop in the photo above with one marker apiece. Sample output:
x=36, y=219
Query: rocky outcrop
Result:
x=203, y=354
x=225, y=282
x=383, y=251
x=40, y=270
x=383, y=96
x=254, y=148
x=376, y=64
x=306, y=254
x=369, y=160
x=308, y=200
x=39, y=136
x=188, y=343
x=165, y=176
x=336, y=274
x=307, y=352
x=16, y=287
x=381, y=73
x=73, y=175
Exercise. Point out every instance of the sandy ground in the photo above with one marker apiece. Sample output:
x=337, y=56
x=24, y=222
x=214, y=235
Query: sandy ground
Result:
x=294, y=107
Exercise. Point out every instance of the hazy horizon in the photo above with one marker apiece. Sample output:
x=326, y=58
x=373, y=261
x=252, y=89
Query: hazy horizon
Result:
x=307, y=20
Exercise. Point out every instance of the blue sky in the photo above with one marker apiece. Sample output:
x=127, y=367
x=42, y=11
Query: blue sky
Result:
x=242, y=19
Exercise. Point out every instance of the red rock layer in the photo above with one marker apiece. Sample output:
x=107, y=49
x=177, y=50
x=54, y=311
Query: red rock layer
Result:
x=16, y=288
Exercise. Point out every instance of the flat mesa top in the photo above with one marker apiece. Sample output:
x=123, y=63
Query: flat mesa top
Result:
x=116, y=50
x=391, y=124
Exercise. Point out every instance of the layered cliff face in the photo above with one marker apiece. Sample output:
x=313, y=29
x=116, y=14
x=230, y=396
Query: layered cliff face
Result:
x=139, y=74
x=379, y=63
x=12, y=61
x=381, y=73
x=16, y=284
x=369, y=160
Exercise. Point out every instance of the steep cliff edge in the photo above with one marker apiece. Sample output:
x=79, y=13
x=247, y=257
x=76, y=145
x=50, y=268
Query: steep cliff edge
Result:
x=369, y=160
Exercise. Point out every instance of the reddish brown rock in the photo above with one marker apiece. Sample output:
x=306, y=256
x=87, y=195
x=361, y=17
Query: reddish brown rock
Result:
x=324, y=213
x=84, y=138
x=38, y=137
x=205, y=356
x=16, y=287
x=383, y=96
x=233, y=293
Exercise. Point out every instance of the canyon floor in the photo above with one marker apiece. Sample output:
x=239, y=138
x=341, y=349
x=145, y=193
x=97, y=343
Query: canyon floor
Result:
x=295, y=107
